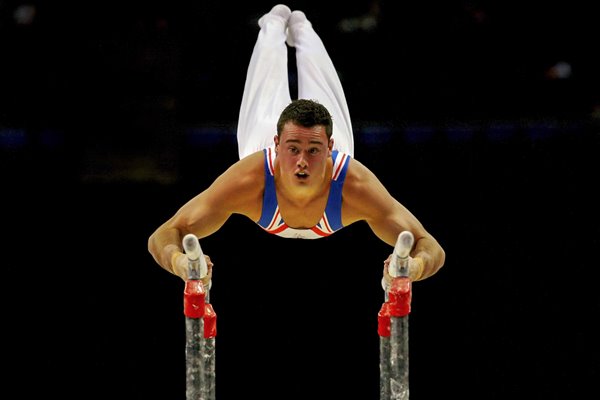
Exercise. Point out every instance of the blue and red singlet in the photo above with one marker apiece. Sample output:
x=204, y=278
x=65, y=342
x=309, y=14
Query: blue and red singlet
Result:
x=331, y=221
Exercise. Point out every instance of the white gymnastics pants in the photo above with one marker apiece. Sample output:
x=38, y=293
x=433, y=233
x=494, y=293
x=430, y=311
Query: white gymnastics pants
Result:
x=267, y=93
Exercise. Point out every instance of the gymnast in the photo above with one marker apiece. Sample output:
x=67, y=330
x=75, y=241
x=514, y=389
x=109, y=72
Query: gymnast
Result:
x=296, y=177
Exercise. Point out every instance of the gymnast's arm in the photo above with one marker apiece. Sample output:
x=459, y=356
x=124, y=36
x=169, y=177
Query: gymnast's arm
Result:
x=365, y=198
x=237, y=191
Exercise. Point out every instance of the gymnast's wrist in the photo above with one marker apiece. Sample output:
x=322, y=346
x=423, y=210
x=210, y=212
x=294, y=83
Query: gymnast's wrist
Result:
x=172, y=252
x=418, y=268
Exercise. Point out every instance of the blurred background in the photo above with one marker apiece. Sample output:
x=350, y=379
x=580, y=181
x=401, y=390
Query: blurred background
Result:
x=480, y=116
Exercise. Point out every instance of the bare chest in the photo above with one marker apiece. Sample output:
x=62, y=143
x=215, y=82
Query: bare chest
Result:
x=302, y=216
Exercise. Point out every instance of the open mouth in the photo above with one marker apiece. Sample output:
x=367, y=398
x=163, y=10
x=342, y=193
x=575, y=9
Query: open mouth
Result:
x=302, y=175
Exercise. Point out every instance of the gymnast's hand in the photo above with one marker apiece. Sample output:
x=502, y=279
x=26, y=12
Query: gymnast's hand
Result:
x=415, y=269
x=180, y=266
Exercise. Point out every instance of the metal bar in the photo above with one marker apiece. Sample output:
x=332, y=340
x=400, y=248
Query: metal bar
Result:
x=194, y=359
x=383, y=329
x=194, y=309
x=393, y=324
x=399, y=388
x=210, y=333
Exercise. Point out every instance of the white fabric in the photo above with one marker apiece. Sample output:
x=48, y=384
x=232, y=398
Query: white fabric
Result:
x=267, y=93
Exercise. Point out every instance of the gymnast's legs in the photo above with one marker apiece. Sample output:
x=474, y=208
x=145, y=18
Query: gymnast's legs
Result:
x=266, y=90
x=318, y=79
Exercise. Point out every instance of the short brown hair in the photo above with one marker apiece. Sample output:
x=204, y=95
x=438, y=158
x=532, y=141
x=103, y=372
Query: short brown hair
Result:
x=306, y=113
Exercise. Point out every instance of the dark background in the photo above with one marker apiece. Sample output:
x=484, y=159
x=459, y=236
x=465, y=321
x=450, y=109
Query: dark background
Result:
x=113, y=114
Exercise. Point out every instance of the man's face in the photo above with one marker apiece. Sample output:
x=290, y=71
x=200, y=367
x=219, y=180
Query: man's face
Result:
x=302, y=154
